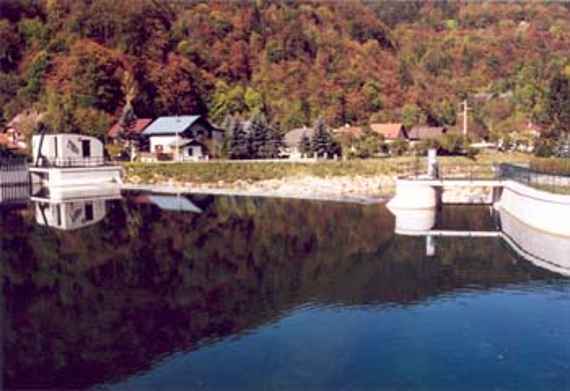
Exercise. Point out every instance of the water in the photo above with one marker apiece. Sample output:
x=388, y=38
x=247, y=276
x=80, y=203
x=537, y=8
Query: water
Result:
x=167, y=292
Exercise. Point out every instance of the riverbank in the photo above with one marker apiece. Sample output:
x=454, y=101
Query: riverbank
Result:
x=354, y=181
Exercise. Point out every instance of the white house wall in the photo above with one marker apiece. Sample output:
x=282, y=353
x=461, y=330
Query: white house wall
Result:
x=59, y=148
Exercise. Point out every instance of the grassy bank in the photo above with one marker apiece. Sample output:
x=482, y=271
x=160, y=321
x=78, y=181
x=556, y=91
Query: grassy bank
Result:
x=229, y=172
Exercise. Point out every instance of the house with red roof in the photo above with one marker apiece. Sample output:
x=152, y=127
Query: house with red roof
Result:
x=390, y=131
x=117, y=130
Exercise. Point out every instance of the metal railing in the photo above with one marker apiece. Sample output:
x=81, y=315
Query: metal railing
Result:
x=74, y=162
x=13, y=171
x=473, y=172
x=556, y=183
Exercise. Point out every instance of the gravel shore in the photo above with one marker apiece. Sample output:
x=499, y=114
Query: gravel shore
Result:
x=359, y=189
x=349, y=189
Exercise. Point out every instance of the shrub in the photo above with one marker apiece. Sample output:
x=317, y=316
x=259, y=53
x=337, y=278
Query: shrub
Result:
x=421, y=148
x=471, y=152
x=544, y=148
x=551, y=166
x=453, y=144
x=398, y=147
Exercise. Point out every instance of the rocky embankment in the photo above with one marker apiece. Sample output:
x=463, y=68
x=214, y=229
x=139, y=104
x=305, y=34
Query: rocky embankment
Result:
x=342, y=188
x=364, y=189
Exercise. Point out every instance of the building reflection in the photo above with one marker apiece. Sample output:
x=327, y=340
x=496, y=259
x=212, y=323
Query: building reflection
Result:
x=74, y=208
x=543, y=249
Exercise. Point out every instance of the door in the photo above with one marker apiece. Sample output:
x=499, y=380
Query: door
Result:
x=86, y=148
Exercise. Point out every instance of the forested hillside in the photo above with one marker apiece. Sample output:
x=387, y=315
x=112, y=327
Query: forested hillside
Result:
x=348, y=61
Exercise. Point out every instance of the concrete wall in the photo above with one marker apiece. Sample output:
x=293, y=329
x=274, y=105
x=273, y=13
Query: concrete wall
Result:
x=539, y=209
x=54, y=177
x=551, y=252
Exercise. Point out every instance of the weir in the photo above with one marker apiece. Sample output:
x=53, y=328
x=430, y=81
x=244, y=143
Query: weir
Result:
x=510, y=192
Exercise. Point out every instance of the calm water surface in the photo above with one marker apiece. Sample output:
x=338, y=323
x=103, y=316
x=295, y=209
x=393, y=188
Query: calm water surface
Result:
x=166, y=292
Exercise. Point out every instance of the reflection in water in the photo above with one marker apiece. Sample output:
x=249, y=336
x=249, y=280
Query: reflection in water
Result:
x=242, y=293
x=549, y=251
x=541, y=248
x=74, y=208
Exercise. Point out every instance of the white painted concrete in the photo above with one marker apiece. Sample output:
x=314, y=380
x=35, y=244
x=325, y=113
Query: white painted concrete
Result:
x=413, y=194
x=68, y=149
x=55, y=177
x=539, y=209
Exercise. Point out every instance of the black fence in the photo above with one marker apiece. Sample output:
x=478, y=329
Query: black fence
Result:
x=471, y=171
x=13, y=171
x=74, y=162
x=544, y=181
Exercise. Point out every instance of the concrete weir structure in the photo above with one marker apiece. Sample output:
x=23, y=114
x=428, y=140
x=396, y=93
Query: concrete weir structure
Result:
x=538, y=209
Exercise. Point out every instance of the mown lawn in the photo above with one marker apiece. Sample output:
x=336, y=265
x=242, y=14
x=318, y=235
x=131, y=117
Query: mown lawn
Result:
x=229, y=172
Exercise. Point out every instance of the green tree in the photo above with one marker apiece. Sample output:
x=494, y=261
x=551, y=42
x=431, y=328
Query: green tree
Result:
x=413, y=115
x=127, y=123
x=558, y=104
x=305, y=145
x=323, y=144
x=259, y=135
x=238, y=142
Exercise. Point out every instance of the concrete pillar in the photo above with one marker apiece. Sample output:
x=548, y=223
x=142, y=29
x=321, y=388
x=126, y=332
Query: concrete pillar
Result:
x=433, y=167
x=430, y=246
x=412, y=194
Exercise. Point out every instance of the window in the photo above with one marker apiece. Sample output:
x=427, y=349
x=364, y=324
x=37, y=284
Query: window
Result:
x=88, y=211
x=190, y=151
x=86, y=148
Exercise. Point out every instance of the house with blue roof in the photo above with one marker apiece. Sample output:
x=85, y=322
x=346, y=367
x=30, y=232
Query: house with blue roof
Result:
x=186, y=137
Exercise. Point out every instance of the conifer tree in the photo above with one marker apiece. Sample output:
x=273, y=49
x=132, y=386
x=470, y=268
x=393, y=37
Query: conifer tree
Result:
x=323, y=143
x=305, y=145
x=238, y=143
x=127, y=123
x=275, y=142
x=260, y=137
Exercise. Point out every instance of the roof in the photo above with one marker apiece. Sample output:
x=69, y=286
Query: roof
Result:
x=30, y=116
x=389, y=130
x=139, y=127
x=354, y=131
x=171, y=125
x=174, y=203
x=426, y=132
x=294, y=137
x=7, y=142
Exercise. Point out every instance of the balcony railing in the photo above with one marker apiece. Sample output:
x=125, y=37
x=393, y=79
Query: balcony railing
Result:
x=74, y=162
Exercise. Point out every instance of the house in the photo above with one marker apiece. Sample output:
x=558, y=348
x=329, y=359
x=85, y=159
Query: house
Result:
x=138, y=128
x=419, y=133
x=182, y=137
x=292, y=140
x=390, y=131
x=14, y=135
x=348, y=132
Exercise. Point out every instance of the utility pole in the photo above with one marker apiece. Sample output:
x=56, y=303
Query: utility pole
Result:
x=465, y=109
